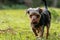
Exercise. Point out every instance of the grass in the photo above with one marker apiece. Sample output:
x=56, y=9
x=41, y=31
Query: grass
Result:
x=19, y=23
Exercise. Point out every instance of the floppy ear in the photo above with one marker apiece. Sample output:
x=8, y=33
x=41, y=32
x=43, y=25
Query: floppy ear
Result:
x=40, y=10
x=27, y=12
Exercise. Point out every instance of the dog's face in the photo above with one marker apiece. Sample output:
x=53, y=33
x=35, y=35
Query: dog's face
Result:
x=34, y=15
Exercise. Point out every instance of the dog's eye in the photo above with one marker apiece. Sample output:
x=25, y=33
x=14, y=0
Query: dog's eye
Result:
x=37, y=16
x=30, y=16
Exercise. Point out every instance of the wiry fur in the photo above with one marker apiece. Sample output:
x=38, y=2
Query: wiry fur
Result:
x=39, y=19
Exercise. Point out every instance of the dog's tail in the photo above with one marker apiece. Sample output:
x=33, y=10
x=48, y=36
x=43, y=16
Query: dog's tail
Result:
x=45, y=3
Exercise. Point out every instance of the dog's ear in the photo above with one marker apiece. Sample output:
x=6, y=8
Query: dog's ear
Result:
x=27, y=12
x=39, y=10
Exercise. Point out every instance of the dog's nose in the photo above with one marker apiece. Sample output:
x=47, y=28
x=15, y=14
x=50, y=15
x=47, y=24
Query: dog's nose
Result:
x=34, y=20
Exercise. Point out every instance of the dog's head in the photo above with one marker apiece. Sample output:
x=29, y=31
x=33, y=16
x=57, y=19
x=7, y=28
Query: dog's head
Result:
x=34, y=14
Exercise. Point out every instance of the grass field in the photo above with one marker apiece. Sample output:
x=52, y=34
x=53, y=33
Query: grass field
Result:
x=15, y=25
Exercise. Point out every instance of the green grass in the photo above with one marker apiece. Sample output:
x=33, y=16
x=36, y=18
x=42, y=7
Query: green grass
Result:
x=19, y=22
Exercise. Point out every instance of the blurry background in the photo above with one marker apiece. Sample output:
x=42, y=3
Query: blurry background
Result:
x=28, y=3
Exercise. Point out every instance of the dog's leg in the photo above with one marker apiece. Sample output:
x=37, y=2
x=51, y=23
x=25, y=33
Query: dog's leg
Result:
x=41, y=31
x=48, y=26
x=38, y=30
x=34, y=30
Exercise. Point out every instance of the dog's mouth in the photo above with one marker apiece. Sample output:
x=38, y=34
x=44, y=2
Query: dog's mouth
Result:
x=34, y=23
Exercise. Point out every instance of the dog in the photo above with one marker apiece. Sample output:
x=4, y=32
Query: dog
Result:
x=39, y=19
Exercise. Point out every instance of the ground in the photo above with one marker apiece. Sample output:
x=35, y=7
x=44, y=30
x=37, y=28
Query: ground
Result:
x=18, y=22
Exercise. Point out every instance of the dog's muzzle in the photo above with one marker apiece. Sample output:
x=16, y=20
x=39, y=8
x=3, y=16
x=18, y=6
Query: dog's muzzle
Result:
x=34, y=22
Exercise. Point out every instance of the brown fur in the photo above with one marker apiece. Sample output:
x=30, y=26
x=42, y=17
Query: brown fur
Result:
x=38, y=23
